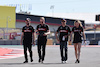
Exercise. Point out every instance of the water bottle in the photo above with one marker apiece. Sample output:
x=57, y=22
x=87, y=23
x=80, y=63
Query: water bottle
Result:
x=63, y=38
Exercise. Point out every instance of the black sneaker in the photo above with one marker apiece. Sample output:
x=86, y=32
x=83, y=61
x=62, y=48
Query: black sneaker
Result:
x=39, y=60
x=78, y=61
x=25, y=62
x=31, y=60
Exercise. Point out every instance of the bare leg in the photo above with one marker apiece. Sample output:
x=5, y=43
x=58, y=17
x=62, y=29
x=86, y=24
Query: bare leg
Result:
x=75, y=47
x=79, y=50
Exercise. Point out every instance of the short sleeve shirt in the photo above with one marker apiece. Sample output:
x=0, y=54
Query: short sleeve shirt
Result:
x=28, y=32
x=42, y=28
x=77, y=32
x=63, y=31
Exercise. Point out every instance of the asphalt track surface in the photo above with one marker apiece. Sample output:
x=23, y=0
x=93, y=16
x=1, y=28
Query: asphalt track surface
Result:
x=90, y=57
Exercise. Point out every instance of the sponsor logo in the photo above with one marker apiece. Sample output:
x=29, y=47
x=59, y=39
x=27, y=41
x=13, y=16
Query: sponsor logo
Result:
x=60, y=27
x=27, y=30
x=77, y=30
x=41, y=29
x=65, y=31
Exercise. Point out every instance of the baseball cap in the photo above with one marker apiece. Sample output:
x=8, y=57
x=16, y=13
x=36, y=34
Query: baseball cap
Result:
x=63, y=20
x=28, y=19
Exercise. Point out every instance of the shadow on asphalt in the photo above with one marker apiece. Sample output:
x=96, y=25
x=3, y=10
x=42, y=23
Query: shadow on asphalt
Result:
x=33, y=63
x=51, y=63
x=11, y=63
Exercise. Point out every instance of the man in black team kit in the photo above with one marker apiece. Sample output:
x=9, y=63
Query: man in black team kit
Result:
x=27, y=38
x=64, y=31
x=42, y=31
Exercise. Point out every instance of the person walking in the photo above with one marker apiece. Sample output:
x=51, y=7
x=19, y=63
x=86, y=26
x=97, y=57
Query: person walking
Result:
x=63, y=32
x=42, y=31
x=27, y=38
x=78, y=33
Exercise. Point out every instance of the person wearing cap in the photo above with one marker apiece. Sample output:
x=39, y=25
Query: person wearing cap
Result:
x=63, y=32
x=27, y=38
x=42, y=31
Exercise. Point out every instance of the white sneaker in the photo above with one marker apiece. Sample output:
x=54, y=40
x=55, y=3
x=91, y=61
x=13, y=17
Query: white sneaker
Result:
x=66, y=61
x=41, y=61
x=62, y=62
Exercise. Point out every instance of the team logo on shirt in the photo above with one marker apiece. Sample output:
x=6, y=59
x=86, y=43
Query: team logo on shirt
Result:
x=65, y=31
x=44, y=25
x=66, y=28
x=31, y=27
x=77, y=30
x=39, y=25
x=60, y=27
x=27, y=30
x=41, y=29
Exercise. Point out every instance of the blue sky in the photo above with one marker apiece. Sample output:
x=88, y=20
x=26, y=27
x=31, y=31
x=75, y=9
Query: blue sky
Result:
x=42, y=7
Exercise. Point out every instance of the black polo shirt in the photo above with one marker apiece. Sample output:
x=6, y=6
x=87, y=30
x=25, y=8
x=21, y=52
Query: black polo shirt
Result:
x=42, y=29
x=27, y=33
x=63, y=31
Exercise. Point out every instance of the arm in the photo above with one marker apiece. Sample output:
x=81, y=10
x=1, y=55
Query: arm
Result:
x=21, y=38
x=71, y=36
x=37, y=32
x=33, y=38
x=84, y=37
x=47, y=33
x=57, y=36
x=72, y=31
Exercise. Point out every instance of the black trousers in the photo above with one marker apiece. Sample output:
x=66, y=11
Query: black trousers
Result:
x=41, y=46
x=29, y=47
x=63, y=51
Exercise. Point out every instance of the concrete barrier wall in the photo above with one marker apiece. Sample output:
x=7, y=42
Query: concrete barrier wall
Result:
x=9, y=42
